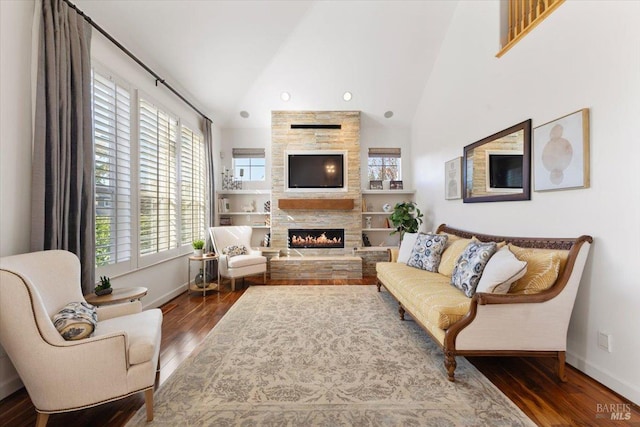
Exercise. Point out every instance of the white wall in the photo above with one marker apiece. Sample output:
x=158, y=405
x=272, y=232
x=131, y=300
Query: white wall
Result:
x=586, y=54
x=164, y=280
x=15, y=145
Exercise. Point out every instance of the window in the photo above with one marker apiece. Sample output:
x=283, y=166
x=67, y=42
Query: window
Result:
x=150, y=180
x=158, y=180
x=112, y=140
x=249, y=164
x=192, y=187
x=385, y=164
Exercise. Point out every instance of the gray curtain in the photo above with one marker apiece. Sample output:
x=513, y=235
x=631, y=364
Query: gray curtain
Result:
x=210, y=219
x=62, y=170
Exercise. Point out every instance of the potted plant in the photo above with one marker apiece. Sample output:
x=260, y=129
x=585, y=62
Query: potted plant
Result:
x=104, y=288
x=198, y=246
x=406, y=218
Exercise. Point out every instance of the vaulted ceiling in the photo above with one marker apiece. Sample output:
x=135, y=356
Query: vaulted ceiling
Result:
x=232, y=56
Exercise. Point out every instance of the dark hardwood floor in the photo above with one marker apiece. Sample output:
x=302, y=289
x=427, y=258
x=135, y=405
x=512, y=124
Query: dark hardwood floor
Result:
x=530, y=383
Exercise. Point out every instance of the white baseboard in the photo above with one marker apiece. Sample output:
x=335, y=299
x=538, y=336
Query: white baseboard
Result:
x=164, y=298
x=10, y=385
x=623, y=388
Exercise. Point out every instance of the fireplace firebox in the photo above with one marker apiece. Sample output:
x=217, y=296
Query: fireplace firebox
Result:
x=316, y=238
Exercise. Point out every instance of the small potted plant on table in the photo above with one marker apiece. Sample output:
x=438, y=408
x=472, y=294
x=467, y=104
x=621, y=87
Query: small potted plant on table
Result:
x=198, y=246
x=104, y=288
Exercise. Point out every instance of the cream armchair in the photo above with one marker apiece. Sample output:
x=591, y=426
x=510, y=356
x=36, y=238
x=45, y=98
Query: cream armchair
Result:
x=119, y=359
x=240, y=265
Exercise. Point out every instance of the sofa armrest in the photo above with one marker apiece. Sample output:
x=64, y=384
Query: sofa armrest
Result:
x=116, y=310
x=223, y=263
x=393, y=254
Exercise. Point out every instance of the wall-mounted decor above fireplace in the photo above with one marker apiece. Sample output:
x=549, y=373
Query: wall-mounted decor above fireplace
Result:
x=316, y=170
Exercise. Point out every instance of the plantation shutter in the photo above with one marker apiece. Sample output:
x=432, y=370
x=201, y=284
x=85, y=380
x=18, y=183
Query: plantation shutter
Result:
x=192, y=186
x=158, y=179
x=112, y=146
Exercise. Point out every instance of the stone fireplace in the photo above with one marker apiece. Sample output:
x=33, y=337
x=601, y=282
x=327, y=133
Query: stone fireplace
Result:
x=316, y=238
x=316, y=209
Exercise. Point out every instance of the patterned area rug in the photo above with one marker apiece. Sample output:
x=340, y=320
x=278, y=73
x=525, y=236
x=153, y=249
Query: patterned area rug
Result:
x=324, y=356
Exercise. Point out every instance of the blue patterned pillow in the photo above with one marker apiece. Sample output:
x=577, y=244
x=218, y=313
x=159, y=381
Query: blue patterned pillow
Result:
x=427, y=251
x=470, y=265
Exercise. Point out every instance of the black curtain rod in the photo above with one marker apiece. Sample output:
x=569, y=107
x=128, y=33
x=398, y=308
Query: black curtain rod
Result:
x=136, y=59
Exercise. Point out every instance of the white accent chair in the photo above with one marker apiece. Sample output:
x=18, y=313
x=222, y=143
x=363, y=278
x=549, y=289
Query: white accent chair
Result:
x=240, y=265
x=119, y=359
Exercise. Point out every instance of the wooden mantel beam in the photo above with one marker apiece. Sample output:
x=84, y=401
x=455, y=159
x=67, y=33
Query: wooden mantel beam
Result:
x=316, y=204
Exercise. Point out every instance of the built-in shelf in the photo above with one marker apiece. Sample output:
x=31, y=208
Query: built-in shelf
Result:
x=249, y=192
x=388, y=191
x=377, y=213
x=378, y=229
x=244, y=213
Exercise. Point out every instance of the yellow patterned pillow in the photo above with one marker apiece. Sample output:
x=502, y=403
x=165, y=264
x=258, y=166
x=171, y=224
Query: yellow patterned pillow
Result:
x=451, y=254
x=543, y=267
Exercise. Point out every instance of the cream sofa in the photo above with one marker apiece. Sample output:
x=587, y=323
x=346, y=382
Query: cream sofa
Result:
x=524, y=324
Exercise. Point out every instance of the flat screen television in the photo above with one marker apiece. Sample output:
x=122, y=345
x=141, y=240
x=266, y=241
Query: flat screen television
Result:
x=316, y=170
x=505, y=171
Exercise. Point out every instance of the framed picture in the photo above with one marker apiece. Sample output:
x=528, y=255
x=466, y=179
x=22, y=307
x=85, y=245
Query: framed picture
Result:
x=375, y=184
x=561, y=153
x=395, y=185
x=453, y=179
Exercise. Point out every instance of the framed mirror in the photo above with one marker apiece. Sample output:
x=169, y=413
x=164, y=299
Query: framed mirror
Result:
x=498, y=168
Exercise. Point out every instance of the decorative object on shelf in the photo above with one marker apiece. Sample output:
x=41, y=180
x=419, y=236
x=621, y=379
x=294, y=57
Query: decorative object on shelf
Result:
x=199, y=279
x=367, y=222
x=267, y=206
x=406, y=218
x=225, y=220
x=386, y=184
x=267, y=220
x=387, y=224
x=453, y=179
x=364, y=205
x=229, y=182
x=375, y=184
x=224, y=205
x=365, y=240
x=198, y=246
x=561, y=153
x=396, y=185
x=387, y=207
x=104, y=288
x=250, y=208
x=266, y=242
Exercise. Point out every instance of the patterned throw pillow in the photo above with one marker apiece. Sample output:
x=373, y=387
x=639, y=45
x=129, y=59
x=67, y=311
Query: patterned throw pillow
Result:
x=426, y=252
x=234, y=250
x=543, y=268
x=468, y=270
x=76, y=320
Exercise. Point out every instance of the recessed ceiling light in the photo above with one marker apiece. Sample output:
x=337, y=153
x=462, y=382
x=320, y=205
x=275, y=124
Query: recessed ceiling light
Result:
x=347, y=96
x=285, y=96
x=244, y=114
x=388, y=114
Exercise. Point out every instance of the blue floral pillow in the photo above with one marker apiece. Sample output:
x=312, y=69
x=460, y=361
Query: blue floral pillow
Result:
x=427, y=251
x=470, y=265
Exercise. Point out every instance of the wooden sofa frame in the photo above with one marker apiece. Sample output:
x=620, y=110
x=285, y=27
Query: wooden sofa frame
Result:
x=486, y=299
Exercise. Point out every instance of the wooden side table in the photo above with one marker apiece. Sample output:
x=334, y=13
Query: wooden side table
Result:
x=212, y=286
x=118, y=295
